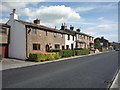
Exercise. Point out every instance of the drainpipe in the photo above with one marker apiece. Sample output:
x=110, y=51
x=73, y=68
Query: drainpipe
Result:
x=26, y=43
x=8, y=40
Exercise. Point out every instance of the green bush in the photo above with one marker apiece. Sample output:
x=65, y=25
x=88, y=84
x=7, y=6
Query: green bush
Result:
x=77, y=52
x=43, y=56
x=81, y=52
x=84, y=51
x=66, y=53
x=56, y=55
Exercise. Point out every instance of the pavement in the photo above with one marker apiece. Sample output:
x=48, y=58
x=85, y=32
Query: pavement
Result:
x=93, y=71
x=8, y=63
x=116, y=82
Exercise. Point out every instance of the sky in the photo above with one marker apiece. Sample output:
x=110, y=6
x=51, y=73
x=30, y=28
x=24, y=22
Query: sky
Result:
x=93, y=18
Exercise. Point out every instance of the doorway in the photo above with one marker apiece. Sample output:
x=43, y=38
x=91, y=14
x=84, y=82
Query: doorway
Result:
x=72, y=46
x=47, y=48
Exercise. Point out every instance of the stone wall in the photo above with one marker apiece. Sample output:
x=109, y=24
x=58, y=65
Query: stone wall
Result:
x=41, y=38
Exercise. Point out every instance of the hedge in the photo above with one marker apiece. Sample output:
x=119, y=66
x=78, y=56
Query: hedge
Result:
x=82, y=52
x=43, y=56
x=69, y=53
x=56, y=55
x=66, y=53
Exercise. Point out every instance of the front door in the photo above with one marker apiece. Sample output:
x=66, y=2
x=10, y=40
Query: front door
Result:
x=63, y=47
x=47, y=48
x=4, y=50
x=72, y=46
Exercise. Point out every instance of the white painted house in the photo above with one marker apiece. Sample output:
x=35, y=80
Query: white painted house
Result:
x=70, y=37
x=17, y=45
x=27, y=37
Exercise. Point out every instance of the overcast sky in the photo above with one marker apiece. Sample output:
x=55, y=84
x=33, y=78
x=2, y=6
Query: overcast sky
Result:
x=94, y=18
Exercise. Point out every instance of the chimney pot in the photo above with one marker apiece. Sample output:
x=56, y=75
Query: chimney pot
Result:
x=78, y=30
x=37, y=21
x=14, y=10
x=63, y=26
x=71, y=27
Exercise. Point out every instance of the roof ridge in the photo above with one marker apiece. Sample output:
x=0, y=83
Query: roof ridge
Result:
x=40, y=26
x=34, y=24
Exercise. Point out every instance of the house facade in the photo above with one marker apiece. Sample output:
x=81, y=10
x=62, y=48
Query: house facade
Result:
x=83, y=40
x=26, y=37
x=77, y=39
x=4, y=39
x=104, y=43
x=115, y=45
x=42, y=39
x=70, y=36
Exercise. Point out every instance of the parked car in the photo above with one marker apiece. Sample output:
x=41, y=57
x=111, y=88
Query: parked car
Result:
x=117, y=49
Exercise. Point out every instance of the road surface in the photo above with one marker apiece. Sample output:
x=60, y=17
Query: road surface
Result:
x=81, y=72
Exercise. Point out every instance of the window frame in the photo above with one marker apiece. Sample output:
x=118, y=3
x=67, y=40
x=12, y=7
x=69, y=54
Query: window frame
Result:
x=3, y=31
x=34, y=31
x=57, y=46
x=38, y=46
x=46, y=33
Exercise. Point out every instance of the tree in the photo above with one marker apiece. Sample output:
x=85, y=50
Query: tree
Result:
x=97, y=44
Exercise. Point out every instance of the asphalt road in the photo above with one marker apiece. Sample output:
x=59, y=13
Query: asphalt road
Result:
x=82, y=72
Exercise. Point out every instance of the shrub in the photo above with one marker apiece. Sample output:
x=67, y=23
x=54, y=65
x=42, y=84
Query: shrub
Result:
x=77, y=52
x=66, y=53
x=82, y=52
x=43, y=56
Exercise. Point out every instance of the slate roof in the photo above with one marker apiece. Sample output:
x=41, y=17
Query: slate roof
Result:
x=41, y=26
x=84, y=34
x=71, y=32
x=66, y=31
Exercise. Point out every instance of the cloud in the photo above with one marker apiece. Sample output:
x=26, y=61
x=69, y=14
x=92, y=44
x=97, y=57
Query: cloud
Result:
x=8, y=5
x=22, y=1
x=51, y=15
x=100, y=18
x=83, y=9
x=109, y=31
x=81, y=22
x=103, y=27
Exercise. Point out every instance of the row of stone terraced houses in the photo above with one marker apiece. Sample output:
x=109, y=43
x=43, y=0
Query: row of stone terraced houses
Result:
x=26, y=37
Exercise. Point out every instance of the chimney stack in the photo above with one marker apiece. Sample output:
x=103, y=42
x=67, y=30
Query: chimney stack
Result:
x=14, y=10
x=64, y=26
x=78, y=30
x=13, y=15
x=102, y=37
x=71, y=27
x=37, y=21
